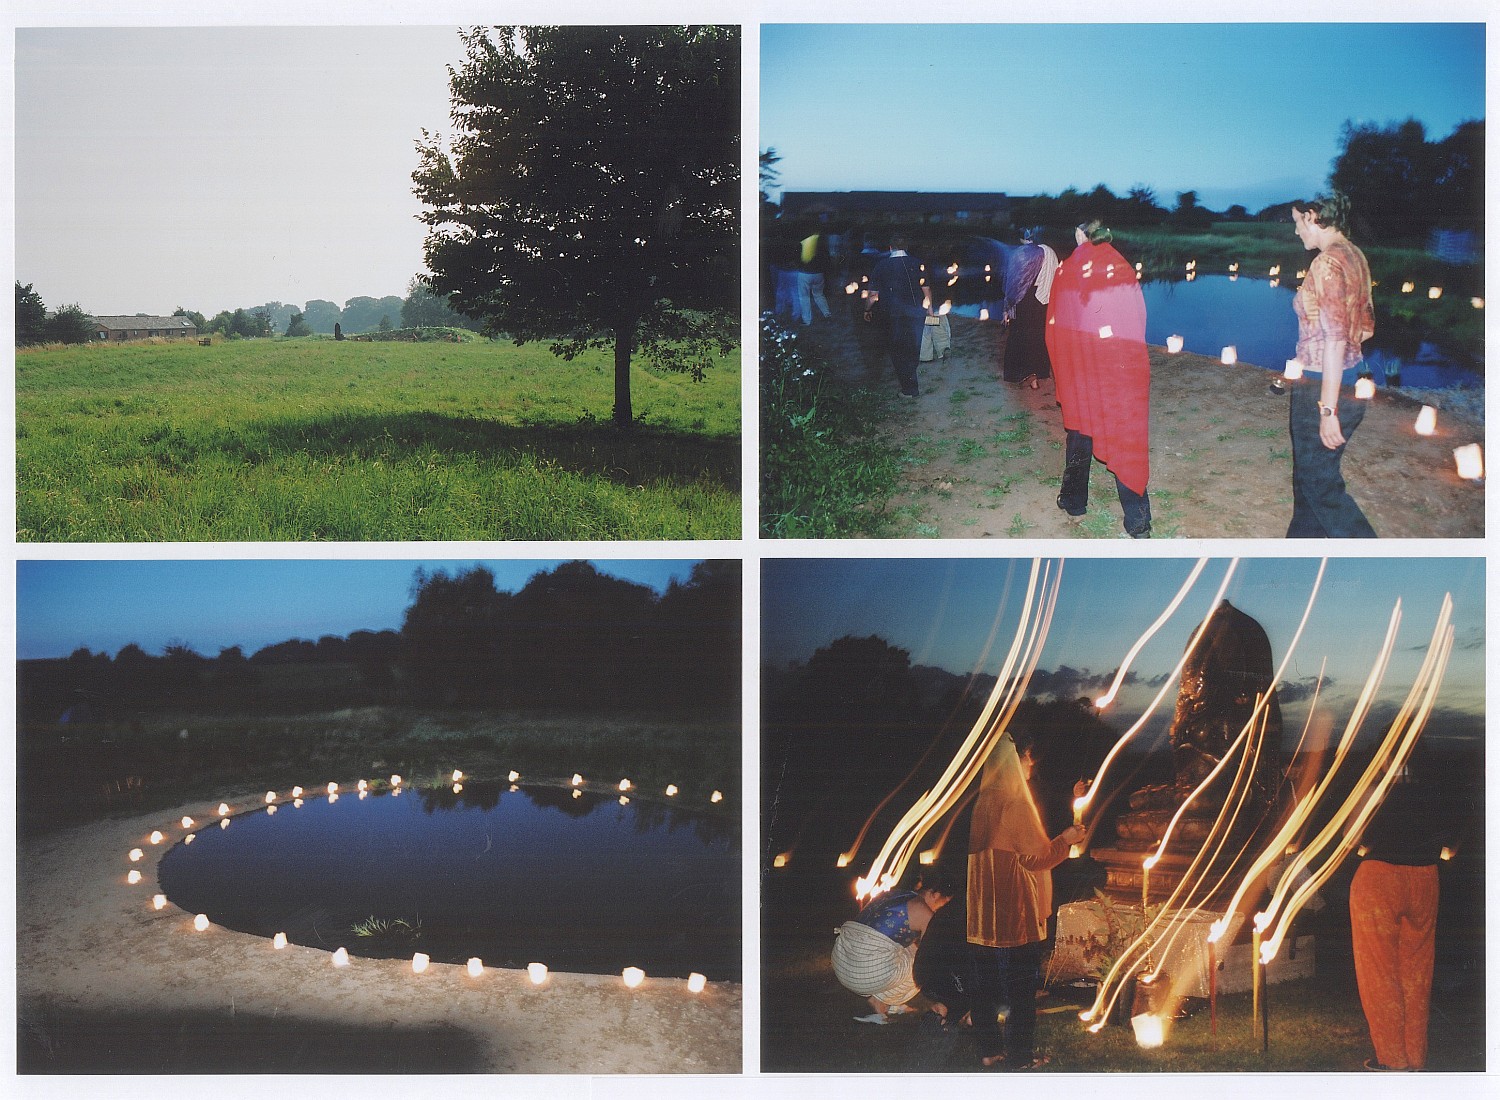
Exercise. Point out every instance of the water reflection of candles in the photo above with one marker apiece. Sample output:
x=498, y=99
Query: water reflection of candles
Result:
x=1470, y=461
x=696, y=982
x=190, y=838
x=458, y=788
x=223, y=822
x=538, y=972
x=333, y=788
x=632, y=976
x=270, y=810
x=278, y=941
x=1426, y=420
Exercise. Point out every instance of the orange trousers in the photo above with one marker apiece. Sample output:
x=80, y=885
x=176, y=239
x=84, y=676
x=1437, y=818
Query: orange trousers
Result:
x=1393, y=915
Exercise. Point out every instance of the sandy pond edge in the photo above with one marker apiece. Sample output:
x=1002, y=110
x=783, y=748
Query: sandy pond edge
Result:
x=88, y=939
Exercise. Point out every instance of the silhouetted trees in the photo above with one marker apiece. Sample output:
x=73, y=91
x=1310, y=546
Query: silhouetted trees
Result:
x=1401, y=185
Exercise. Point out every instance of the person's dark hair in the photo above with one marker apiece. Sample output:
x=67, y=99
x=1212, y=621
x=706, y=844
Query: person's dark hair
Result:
x=1096, y=231
x=941, y=880
x=897, y=241
x=1330, y=210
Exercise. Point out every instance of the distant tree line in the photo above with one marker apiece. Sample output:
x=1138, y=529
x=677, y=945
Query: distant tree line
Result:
x=421, y=308
x=572, y=639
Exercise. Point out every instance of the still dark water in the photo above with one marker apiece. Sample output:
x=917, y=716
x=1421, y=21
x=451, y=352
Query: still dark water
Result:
x=514, y=877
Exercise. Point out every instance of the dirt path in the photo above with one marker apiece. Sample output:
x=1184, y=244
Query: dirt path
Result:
x=104, y=980
x=984, y=458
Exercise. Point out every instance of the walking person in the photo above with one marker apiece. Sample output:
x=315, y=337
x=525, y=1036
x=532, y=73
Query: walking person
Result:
x=1028, y=288
x=897, y=285
x=1096, y=337
x=1335, y=315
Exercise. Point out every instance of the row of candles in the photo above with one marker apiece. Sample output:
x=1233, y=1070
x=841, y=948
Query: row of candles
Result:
x=632, y=976
x=1469, y=458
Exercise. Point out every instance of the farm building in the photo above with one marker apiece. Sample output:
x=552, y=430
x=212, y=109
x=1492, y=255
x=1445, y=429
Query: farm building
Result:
x=141, y=326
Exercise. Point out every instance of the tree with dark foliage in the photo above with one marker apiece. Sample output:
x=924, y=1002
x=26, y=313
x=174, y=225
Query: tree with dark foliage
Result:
x=591, y=195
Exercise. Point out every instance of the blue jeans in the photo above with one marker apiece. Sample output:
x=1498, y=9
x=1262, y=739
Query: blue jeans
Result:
x=1321, y=504
x=1010, y=976
x=1078, y=460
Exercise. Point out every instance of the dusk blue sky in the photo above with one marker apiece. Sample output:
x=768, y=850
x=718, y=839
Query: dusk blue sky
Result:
x=942, y=610
x=211, y=605
x=1245, y=113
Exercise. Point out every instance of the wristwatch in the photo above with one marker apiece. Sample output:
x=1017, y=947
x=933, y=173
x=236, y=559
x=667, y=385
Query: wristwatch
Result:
x=1326, y=410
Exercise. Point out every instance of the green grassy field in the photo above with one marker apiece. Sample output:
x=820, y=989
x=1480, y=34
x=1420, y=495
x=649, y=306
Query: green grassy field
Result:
x=309, y=439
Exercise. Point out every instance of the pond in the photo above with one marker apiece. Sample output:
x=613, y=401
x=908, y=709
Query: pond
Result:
x=511, y=875
x=1256, y=318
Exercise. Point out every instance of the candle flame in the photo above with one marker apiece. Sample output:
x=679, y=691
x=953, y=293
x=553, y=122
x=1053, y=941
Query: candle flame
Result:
x=927, y=858
x=1446, y=854
x=1105, y=332
x=1174, y=344
x=624, y=784
x=1477, y=303
x=1229, y=356
x=984, y=313
x=333, y=788
x=843, y=860
x=362, y=785
x=395, y=780
x=1434, y=292
x=296, y=792
x=223, y=811
x=1408, y=287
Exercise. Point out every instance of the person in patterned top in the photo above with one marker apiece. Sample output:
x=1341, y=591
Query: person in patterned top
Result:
x=1335, y=315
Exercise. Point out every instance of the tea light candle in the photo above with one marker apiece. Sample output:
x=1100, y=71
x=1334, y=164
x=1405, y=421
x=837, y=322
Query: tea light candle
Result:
x=696, y=982
x=475, y=967
x=420, y=962
x=538, y=972
x=1174, y=344
x=278, y=941
x=1275, y=270
x=851, y=288
x=1364, y=388
x=341, y=957
x=632, y=976
x=1470, y=460
x=1293, y=369
x=1229, y=356
x=200, y=922
x=159, y=902
x=1426, y=420
x=133, y=878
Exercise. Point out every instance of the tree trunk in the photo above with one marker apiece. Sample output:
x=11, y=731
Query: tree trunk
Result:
x=624, y=344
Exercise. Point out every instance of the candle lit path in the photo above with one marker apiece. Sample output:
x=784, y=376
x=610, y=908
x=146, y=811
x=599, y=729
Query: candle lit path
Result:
x=95, y=935
x=981, y=458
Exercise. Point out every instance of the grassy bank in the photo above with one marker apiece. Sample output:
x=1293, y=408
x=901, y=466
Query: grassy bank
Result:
x=822, y=462
x=310, y=439
x=82, y=772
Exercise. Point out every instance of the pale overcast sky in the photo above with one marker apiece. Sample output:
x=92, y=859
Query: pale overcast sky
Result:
x=214, y=168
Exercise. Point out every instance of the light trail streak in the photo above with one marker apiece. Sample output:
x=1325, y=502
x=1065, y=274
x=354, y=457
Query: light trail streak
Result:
x=1010, y=685
x=1365, y=799
x=1081, y=804
x=1161, y=620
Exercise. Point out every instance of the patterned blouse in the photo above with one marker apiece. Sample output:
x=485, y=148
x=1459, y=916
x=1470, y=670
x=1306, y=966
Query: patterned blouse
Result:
x=888, y=916
x=1334, y=298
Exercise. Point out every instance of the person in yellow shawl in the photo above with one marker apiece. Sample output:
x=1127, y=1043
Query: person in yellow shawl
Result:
x=1010, y=898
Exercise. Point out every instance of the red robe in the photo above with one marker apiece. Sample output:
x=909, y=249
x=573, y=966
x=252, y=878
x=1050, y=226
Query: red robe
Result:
x=1096, y=337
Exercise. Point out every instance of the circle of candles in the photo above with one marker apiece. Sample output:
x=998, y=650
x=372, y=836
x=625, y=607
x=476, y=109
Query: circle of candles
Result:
x=671, y=790
x=1426, y=420
x=538, y=972
x=341, y=957
x=133, y=878
x=632, y=976
x=696, y=982
x=420, y=962
x=278, y=941
x=200, y=922
x=159, y=902
x=156, y=837
x=136, y=855
x=475, y=967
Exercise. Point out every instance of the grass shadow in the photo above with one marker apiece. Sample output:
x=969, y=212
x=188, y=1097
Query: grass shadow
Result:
x=636, y=456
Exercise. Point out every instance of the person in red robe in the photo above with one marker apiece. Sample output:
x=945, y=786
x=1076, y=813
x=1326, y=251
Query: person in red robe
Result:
x=1096, y=338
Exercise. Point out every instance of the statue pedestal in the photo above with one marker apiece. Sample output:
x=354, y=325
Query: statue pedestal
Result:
x=1083, y=932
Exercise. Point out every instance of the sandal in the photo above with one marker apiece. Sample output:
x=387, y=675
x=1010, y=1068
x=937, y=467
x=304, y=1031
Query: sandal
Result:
x=872, y=1018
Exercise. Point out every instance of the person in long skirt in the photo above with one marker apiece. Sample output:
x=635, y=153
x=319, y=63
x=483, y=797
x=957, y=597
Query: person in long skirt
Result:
x=1028, y=288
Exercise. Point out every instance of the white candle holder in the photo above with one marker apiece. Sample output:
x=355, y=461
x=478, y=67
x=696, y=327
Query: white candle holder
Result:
x=475, y=967
x=696, y=982
x=1174, y=344
x=420, y=962
x=1364, y=388
x=632, y=976
x=1426, y=420
x=537, y=972
x=1470, y=461
x=1229, y=356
